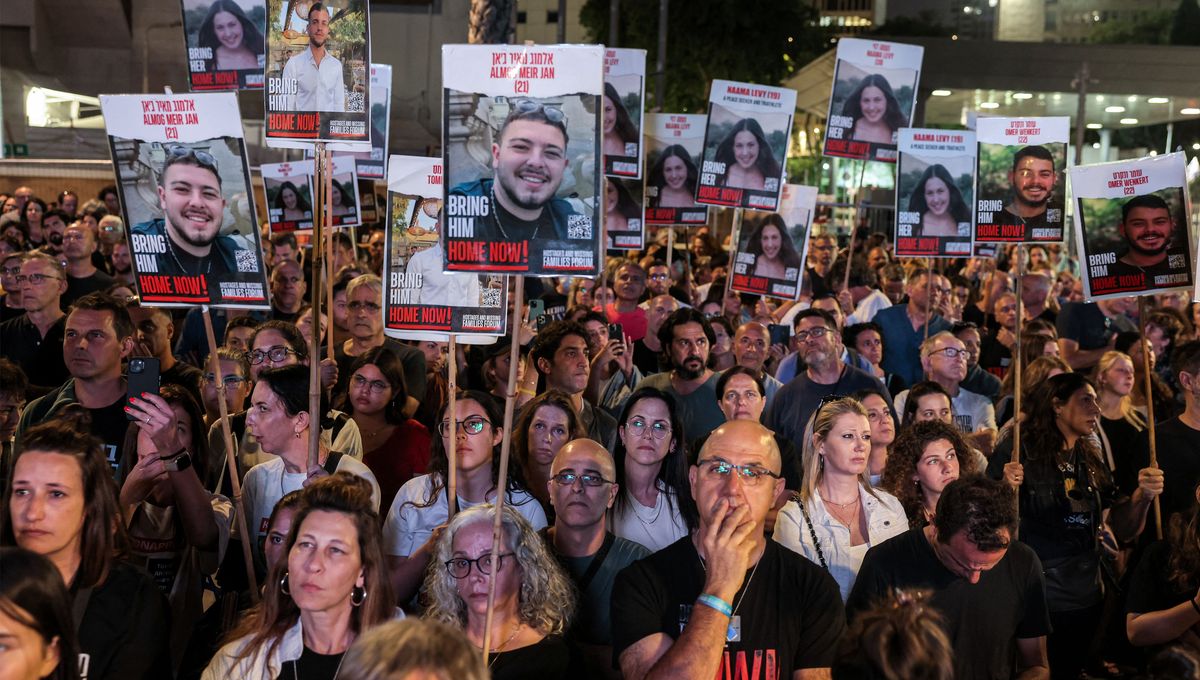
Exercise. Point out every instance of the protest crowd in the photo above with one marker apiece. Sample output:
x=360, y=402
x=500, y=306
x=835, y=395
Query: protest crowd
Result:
x=666, y=449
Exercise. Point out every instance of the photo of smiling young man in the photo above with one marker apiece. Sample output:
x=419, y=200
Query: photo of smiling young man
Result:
x=1146, y=227
x=320, y=83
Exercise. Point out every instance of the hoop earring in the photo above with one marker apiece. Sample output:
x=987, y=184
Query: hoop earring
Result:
x=283, y=584
x=358, y=595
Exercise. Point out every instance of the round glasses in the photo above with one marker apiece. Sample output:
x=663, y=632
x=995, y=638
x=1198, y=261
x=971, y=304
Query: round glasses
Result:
x=659, y=429
x=275, y=354
x=460, y=567
x=472, y=425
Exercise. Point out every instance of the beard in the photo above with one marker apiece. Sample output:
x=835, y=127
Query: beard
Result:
x=686, y=372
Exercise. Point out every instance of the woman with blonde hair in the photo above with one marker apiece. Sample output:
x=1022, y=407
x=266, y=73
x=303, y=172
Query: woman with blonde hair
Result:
x=534, y=599
x=332, y=587
x=837, y=516
x=1121, y=425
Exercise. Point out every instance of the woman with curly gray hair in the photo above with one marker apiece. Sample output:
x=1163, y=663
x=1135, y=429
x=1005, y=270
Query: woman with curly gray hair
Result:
x=534, y=599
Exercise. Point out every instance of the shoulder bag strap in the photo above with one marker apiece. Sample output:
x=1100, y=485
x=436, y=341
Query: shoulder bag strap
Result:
x=811, y=532
x=597, y=561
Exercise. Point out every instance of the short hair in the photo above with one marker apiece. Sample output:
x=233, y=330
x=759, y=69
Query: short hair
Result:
x=241, y=321
x=1148, y=201
x=62, y=215
x=1186, y=358
x=342, y=239
x=850, y=333
x=291, y=335
x=899, y=638
x=103, y=302
x=190, y=157
x=290, y=385
x=593, y=315
x=893, y=271
x=979, y=506
x=12, y=380
x=368, y=281
x=550, y=338
x=860, y=273
x=287, y=238
x=400, y=649
x=533, y=110
x=823, y=315
x=963, y=326
x=42, y=256
x=317, y=7
x=679, y=317
x=726, y=376
x=1032, y=151
x=929, y=343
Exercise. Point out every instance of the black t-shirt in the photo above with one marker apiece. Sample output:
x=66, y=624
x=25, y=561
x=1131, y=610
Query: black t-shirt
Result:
x=1178, y=448
x=647, y=360
x=790, y=610
x=109, y=424
x=41, y=358
x=1151, y=588
x=77, y=288
x=1084, y=323
x=1059, y=525
x=1125, y=443
x=547, y=659
x=124, y=633
x=796, y=401
x=982, y=620
x=311, y=665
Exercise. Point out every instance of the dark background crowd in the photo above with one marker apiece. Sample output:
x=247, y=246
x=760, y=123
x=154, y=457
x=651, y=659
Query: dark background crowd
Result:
x=672, y=439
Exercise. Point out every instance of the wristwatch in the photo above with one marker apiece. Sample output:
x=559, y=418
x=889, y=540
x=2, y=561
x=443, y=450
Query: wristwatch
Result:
x=178, y=462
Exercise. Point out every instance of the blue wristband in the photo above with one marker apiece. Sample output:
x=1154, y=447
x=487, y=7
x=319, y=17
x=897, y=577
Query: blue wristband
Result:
x=716, y=603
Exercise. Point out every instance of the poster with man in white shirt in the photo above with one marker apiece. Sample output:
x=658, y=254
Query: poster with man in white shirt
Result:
x=318, y=83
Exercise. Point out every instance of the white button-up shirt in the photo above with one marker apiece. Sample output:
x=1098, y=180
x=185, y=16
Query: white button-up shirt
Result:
x=318, y=87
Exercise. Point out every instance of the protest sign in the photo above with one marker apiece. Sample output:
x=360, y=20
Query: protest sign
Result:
x=318, y=87
x=184, y=183
x=1131, y=221
x=226, y=49
x=624, y=226
x=624, y=93
x=289, y=194
x=1022, y=186
x=522, y=157
x=344, y=198
x=373, y=164
x=935, y=180
x=772, y=248
x=422, y=301
x=674, y=149
x=874, y=91
x=745, y=145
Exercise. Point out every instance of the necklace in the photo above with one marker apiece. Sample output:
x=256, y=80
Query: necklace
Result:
x=843, y=506
x=336, y=671
x=496, y=650
x=745, y=587
x=496, y=212
x=171, y=249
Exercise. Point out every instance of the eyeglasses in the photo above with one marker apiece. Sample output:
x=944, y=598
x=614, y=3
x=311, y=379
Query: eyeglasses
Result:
x=358, y=305
x=952, y=353
x=10, y=271
x=376, y=386
x=658, y=429
x=35, y=279
x=180, y=151
x=460, y=567
x=818, y=332
x=587, y=479
x=275, y=354
x=529, y=106
x=750, y=475
x=472, y=426
x=228, y=381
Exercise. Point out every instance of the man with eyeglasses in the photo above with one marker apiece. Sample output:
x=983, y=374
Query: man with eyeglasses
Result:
x=364, y=299
x=155, y=328
x=987, y=586
x=235, y=375
x=822, y=252
x=187, y=239
x=686, y=338
x=582, y=489
x=13, y=385
x=658, y=279
x=628, y=285
x=529, y=158
x=945, y=359
x=727, y=597
x=79, y=245
x=820, y=346
x=561, y=355
x=315, y=74
x=904, y=327
x=33, y=341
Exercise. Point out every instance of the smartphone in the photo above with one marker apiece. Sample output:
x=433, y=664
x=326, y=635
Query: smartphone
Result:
x=537, y=307
x=616, y=331
x=542, y=321
x=780, y=334
x=143, y=377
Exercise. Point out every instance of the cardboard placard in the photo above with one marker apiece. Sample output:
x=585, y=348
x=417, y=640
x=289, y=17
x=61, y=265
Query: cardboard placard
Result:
x=935, y=182
x=773, y=246
x=874, y=92
x=745, y=145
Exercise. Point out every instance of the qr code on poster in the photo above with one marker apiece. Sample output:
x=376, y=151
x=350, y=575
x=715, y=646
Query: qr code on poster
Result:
x=490, y=297
x=354, y=101
x=579, y=227
x=246, y=261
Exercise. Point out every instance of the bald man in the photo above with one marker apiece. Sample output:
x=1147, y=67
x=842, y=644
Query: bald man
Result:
x=752, y=348
x=582, y=488
x=695, y=609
